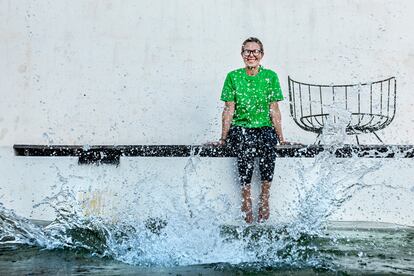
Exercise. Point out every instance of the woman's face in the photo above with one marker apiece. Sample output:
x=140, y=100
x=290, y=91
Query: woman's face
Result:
x=252, y=54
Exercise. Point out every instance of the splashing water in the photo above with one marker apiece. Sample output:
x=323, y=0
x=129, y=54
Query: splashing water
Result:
x=193, y=235
x=323, y=187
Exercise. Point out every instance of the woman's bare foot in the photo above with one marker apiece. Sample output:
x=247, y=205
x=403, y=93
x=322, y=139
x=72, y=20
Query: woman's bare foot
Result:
x=248, y=217
x=264, y=211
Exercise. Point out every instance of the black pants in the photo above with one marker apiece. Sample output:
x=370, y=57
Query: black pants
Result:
x=248, y=143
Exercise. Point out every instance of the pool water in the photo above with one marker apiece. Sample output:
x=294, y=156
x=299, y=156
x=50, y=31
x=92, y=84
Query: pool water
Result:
x=341, y=248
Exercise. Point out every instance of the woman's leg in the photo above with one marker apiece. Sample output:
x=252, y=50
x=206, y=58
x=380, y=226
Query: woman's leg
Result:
x=245, y=164
x=242, y=145
x=267, y=167
x=247, y=203
x=264, y=211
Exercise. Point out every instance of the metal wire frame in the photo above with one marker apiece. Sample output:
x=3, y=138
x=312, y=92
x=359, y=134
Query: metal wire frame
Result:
x=372, y=105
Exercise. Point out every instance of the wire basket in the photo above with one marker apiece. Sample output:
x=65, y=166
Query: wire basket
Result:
x=371, y=105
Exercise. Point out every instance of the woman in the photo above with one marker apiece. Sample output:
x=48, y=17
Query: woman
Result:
x=251, y=123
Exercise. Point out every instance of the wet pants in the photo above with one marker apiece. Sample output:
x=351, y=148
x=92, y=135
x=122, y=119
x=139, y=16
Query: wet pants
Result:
x=248, y=143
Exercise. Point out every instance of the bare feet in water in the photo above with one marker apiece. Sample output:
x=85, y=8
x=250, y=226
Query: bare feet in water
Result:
x=248, y=217
x=247, y=210
x=264, y=211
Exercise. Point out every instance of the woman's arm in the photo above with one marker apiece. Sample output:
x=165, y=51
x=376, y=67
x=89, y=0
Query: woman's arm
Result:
x=276, y=118
x=227, y=117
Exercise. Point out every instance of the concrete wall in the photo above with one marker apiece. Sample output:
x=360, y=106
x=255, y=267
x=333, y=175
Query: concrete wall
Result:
x=372, y=189
x=150, y=72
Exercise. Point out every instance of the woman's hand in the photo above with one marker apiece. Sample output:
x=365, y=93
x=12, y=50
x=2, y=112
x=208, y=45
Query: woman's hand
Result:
x=286, y=143
x=220, y=142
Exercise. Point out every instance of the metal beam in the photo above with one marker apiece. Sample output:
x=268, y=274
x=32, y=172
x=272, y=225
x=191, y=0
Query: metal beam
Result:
x=110, y=154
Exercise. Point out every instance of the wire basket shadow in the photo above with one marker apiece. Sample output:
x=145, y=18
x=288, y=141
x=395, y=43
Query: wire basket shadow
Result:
x=371, y=105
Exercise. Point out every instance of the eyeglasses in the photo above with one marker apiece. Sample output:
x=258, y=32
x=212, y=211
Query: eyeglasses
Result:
x=255, y=53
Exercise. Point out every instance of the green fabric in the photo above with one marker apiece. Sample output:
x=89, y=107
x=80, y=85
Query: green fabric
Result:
x=252, y=96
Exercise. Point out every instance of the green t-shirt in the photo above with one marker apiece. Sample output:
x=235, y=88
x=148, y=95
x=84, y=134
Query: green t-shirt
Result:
x=252, y=96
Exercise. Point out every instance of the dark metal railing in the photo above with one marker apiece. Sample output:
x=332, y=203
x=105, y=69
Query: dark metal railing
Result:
x=371, y=106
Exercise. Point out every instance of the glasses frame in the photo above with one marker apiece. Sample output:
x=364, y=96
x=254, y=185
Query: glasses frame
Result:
x=256, y=52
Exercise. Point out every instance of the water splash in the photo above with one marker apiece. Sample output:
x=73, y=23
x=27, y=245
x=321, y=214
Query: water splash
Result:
x=179, y=240
x=189, y=169
x=18, y=230
x=334, y=129
x=194, y=233
x=329, y=182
